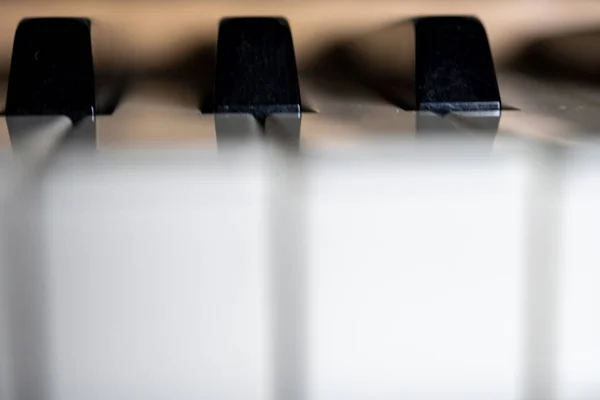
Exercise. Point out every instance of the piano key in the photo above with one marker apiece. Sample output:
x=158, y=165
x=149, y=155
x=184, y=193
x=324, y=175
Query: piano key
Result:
x=454, y=66
x=82, y=135
x=560, y=111
x=367, y=317
x=284, y=129
x=428, y=122
x=565, y=129
x=439, y=64
x=346, y=129
x=148, y=130
x=236, y=128
x=578, y=326
x=158, y=95
x=359, y=128
x=256, y=68
x=146, y=212
x=33, y=141
x=528, y=93
x=53, y=73
x=26, y=131
x=328, y=92
x=477, y=132
x=52, y=70
x=156, y=112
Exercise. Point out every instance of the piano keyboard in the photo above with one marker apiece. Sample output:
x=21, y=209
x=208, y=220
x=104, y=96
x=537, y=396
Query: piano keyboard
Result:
x=165, y=56
x=299, y=200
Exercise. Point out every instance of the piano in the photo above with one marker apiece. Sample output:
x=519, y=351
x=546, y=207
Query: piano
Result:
x=299, y=200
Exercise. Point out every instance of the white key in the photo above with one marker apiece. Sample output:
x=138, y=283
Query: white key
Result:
x=154, y=272
x=415, y=277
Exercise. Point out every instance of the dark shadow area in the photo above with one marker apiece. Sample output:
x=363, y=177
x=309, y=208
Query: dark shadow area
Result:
x=568, y=64
x=568, y=57
x=334, y=74
x=110, y=88
x=195, y=69
x=367, y=62
x=3, y=89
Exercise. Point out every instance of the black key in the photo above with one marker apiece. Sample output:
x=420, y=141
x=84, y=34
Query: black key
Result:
x=256, y=68
x=52, y=70
x=453, y=66
x=439, y=64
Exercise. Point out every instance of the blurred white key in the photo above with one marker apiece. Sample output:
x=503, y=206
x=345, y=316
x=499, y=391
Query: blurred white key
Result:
x=416, y=278
x=578, y=293
x=154, y=274
x=27, y=143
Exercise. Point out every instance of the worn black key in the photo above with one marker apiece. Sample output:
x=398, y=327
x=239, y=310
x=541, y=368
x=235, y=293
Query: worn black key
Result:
x=52, y=70
x=453, y=66
x=256, y=68
x=439, y=64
